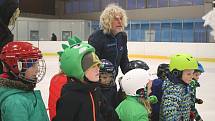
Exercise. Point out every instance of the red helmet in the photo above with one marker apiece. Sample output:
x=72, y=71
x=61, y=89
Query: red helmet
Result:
x=19, y=56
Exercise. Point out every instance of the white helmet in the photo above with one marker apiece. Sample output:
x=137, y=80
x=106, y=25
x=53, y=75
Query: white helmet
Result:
x=134, y=80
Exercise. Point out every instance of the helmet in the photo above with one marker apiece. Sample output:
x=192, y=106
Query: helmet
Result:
x=137, y=64
x=107, y=68
x=17, y=57
x=200, y=68
x=181, y=62
x=134, y=80
x=163, y=70
x=71, y=57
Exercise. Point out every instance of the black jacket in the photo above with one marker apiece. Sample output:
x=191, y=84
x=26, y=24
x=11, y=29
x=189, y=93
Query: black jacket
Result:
x=82, y=102
x=110, y=95
x=7, y=8
x=112, y=48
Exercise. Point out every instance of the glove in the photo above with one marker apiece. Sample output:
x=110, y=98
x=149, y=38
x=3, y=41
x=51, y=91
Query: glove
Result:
x=199, y=101
x=153, y=99
x=192, y=116
x=193, y=84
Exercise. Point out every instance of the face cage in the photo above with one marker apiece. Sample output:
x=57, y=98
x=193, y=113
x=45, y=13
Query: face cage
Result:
x=112, y=81
x=25, y=64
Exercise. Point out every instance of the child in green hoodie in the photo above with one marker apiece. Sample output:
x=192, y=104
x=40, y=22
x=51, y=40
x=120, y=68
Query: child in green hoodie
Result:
x=136, y=106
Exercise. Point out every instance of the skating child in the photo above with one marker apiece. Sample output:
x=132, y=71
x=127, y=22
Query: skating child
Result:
x=107, y=81
x=176, y=99
x=136, y=106
x=194, y=84
x=23, y=67
x=162, y=71
x=134, y=64
x=56, y=84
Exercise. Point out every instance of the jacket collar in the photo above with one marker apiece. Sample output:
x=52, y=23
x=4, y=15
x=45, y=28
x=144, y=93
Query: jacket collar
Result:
x=15, y=84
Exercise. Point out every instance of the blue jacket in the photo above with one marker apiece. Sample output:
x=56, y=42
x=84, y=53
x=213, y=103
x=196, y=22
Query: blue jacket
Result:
x=158, y=92
x=112, y=48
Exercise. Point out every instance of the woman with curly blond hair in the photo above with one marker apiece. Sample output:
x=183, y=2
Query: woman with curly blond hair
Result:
x=110, y=42
x=111, y=14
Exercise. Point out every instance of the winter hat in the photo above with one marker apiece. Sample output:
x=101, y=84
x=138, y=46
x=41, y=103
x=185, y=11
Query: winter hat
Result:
x=90, y=60
x=72, y=55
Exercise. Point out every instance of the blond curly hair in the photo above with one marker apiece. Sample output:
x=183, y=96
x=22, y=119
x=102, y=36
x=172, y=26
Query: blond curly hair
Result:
x=108, y=16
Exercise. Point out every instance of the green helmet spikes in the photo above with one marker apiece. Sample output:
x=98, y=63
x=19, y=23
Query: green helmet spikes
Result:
x=182, y=62
x=71, y=57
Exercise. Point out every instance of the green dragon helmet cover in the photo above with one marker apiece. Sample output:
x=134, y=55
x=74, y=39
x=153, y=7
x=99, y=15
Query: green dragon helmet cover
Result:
x=71, y=57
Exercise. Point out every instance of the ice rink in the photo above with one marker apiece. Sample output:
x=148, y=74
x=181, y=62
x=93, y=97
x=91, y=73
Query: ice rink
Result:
x=205, y=92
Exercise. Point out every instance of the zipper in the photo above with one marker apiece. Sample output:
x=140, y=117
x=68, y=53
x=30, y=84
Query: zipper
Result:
x=116, y=54
x=93, y=105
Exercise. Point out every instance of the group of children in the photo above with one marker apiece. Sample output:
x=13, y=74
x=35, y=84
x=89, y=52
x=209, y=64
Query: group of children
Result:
x=84, y=90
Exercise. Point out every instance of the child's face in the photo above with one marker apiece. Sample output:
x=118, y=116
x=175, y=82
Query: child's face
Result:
x=196, y=75
x=31, y=73
x=93, y=73
x=187, y=75
x=106, y=78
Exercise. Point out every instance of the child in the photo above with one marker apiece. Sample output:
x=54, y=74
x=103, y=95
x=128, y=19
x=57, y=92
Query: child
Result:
x=194, y=84
x=176, y=99
x=79, y=99
x=136, y=106
x=134, y=64
x=56, y=85
x=162, y=71
x=23, y=68
x=106, y=78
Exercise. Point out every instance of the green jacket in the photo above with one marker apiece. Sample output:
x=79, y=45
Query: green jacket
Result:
x=20, y=105
x=193, y=85
x=131, y=110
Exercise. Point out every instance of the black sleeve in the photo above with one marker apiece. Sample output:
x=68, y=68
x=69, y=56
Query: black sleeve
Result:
x=6, y=36
x=96, y=42
x=107, y=111
x=124, y=60
x=67, y=108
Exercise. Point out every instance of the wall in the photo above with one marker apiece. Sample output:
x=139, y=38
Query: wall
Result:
x=157, y=50
x=48, y=26
x=179, y=12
